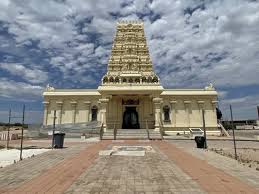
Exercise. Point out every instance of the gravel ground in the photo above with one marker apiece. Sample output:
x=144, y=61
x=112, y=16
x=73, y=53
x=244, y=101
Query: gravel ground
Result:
x=247, y=133
x=247, y=151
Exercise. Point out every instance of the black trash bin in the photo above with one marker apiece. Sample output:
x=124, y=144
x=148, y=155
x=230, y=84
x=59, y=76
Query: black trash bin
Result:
x=200, y=141
x=59, y=140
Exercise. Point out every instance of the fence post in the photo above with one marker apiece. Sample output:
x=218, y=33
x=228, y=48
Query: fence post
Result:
x=8, y=130
x=234, y=138
x=204, y=129
x=23, y=116
x=54, y=126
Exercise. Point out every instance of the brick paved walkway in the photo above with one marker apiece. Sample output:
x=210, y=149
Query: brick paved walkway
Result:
x=59, y=177
x=226, y=164
x=209, y=178
x=27, y=169
x=168, y=170
x=152, y=173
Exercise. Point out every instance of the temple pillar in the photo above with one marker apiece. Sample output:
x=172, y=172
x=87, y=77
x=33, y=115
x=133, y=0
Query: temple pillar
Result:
x=214, y=113
x=187, y=105
x=103, y=104
x=173, y=111
x=73, y=105
x=157, y=106
x=46, y=109
x=59, y=105
x=214, y=105
x=201, y=107
x=87, y=109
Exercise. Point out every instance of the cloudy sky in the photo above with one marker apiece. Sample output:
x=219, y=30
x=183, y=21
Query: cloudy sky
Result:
x=67, y=43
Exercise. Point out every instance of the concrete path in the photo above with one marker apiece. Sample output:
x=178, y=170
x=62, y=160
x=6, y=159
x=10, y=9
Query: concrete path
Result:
x=226, y=164
x=79, y=169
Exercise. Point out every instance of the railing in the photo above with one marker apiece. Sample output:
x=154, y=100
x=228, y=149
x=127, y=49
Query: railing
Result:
x=147, y=129
x=101, y=132
x=114, y=131
x=223, y=130
x=161, y=130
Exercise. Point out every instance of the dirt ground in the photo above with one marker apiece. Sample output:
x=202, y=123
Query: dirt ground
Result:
x=247, y=133
x=247, y=151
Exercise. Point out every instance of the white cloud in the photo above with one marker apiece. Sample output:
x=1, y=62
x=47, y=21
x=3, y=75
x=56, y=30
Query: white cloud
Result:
x=30, y=75
x=19, y=90
x=182, y=40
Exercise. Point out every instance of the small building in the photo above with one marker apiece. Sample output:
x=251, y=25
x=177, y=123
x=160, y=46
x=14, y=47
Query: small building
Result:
x=131, y=95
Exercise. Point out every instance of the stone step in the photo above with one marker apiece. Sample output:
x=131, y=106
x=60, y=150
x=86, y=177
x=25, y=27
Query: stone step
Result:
x=132, y=134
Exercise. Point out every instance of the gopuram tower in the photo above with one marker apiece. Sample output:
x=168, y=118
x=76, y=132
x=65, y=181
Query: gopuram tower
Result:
x=130, y=62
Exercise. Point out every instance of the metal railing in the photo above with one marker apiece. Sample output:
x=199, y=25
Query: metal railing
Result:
x=101, y=132
x=161, y=130
x=115, y=131
x=147, y=129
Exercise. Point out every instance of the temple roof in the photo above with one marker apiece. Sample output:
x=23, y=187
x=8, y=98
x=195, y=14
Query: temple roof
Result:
x=130, y=62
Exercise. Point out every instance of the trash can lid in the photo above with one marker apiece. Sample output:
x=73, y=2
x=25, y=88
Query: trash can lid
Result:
x=59, y=133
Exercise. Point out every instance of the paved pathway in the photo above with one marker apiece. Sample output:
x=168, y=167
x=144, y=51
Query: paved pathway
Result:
x=226, y=164
x=27, y=169
x=212, y=179
x=153, y=173
x=168, y=170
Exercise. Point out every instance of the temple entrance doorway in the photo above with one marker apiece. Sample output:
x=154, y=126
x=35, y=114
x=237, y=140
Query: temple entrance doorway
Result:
x=130, y=118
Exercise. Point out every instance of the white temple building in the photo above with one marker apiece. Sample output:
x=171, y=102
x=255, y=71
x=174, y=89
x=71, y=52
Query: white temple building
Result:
x=130, y=94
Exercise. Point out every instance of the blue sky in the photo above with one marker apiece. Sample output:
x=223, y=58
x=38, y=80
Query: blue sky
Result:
x=67, y=43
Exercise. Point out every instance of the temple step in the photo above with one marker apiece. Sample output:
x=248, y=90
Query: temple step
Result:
x=132, y=134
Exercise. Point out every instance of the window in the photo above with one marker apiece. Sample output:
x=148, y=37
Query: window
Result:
x=130, y=80
x=111, y=80
x=166, y=110
x=117, y=80
x=94, y=113
x=155, y=80
x=105, y=80
x=137, y=80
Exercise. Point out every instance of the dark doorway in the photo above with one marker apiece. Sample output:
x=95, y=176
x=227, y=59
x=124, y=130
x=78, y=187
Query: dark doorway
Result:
x=130, y=118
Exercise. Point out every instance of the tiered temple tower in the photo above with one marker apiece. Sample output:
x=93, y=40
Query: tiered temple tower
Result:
x=130, y=62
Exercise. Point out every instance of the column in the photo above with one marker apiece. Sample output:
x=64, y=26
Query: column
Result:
x=214, y=120
x=103, y=102
x=157, y=106
x=173, y=111
x=187, y=105
x=87, y=109
x=201, y=107
x=59, y=105
x=214, y=104
x=46, y=108
x=73, y=105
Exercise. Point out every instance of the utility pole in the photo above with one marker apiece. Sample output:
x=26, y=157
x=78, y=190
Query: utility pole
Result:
x=234, y=138
x=8, y=130
x=23, y=116
x=54, y=126
x=204, y=129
